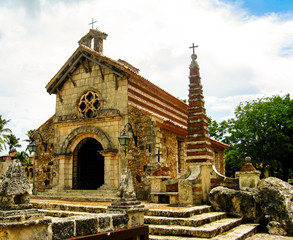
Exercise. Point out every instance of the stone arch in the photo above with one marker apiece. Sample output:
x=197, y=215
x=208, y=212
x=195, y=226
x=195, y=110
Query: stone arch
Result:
x=82, y=132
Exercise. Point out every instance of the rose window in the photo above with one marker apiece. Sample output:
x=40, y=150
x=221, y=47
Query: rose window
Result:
x=89, y=104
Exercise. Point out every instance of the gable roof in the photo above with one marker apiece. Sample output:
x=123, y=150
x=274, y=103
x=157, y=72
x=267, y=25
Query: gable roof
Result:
x=119, y=68
x=83, y=53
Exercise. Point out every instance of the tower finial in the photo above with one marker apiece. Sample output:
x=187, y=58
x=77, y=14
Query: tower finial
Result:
x=193, y=47
x=92, y=23
x=194, y=63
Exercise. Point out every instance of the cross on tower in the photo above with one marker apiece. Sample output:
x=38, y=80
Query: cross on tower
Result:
x=92, y=23
x=193, y=47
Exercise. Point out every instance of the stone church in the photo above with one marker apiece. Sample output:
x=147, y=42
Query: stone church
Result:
x=99, y=99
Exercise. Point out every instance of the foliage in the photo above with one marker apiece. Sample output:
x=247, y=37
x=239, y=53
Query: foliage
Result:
x=23, y=157
x=3, y=130
x=263, y=130
x=12, y=141
x=28, y=134
x=29, y=140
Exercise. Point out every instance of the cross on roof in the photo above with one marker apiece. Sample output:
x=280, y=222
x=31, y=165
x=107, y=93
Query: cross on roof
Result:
x=193, y=47
x=92, y=23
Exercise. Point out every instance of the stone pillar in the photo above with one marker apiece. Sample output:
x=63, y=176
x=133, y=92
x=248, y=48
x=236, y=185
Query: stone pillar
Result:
x=198, y=142
x=185, y=192
x=199, y=151
x=65, y=172
x=111, y=176
x=248, y=176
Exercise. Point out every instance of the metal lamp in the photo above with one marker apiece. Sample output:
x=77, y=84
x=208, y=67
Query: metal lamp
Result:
x=124, y=138
x=32, y=147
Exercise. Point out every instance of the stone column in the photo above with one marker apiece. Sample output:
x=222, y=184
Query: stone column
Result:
x=111, y=176
x=198, y=141
x=199, y=152
x=65, y=172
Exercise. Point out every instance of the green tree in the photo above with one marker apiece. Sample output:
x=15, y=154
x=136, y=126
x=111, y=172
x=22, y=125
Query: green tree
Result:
x=12, y=142
x=23, y=157
x=263, y=130
x=29, y=139
x=3, y=129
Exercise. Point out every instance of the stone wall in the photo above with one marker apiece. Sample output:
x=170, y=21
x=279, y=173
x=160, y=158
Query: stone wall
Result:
x=156, y=153
x=112, y=99
x=141, y=159
x=46, y=166
x=169, y=143
x=112, y=91
x=72, y=125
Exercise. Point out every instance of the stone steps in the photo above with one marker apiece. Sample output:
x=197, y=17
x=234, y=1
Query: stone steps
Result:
x=240, y=232
x=69, y=207
x=193, y=221
x=100, y=195
x=181, y=213
x=208, y=230
x=197, y=222
x=19, y=218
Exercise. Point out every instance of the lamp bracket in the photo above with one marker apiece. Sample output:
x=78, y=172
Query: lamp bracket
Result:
x=128, y=128
x=42, y=140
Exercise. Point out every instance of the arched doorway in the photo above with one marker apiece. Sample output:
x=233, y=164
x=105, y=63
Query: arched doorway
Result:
x=88, y=165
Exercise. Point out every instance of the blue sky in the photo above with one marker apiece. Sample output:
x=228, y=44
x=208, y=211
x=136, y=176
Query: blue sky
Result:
x=263, y=7
x=245, y=49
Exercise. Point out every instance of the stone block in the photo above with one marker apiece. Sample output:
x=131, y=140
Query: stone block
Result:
x=104, y=222
x=248, y=180
x=40, y=231
x=86, y=226
x=120, y=221
x=135, y=219
x=62, y=230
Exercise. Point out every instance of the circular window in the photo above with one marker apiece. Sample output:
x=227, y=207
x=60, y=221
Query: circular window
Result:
x=89, y=104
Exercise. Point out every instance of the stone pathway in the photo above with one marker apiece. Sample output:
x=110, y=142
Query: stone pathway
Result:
x=263, y=236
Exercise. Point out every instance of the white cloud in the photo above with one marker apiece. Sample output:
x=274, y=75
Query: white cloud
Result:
x=241, y=57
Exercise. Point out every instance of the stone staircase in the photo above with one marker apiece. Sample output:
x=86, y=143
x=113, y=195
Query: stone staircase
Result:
x=100, y=195
x=197, y=222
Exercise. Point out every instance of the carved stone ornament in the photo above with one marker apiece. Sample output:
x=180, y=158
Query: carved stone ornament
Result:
x=89, y=104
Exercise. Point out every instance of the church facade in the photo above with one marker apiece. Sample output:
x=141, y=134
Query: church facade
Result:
x=96, y=98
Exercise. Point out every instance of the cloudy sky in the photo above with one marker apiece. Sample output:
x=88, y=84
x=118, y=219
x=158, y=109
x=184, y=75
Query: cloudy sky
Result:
x=245, y=49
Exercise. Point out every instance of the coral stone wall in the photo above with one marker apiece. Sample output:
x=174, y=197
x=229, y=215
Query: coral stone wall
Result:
x=157, y=151
x=46, y=167
x=141, y=159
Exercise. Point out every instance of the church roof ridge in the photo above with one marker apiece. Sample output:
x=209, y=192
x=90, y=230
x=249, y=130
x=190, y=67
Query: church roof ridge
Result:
x=78, y=52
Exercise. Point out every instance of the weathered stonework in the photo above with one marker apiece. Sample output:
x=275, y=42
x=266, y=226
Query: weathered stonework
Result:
x=95, y=97
x=271, y=203
x=46, y=166
x=14, y=188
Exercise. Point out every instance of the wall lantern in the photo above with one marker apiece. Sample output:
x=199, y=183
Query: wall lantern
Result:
x=32, y=147
x=124, y=138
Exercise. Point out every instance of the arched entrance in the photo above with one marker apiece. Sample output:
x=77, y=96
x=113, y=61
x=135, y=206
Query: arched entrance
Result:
x=88, y=165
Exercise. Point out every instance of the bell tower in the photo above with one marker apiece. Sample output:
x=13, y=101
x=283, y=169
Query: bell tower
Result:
x=98, y=38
